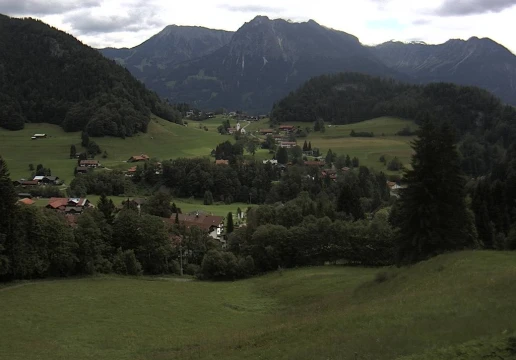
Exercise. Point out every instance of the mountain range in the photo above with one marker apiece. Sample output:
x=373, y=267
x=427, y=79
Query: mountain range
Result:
x=265, y=59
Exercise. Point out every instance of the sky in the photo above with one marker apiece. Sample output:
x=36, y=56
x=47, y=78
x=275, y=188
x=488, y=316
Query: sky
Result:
x=127, y=23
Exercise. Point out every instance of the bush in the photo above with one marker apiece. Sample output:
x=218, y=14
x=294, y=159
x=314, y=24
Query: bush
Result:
x=217, y=265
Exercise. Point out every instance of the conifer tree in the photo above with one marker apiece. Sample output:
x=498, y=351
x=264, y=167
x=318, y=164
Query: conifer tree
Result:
x=7, y=209
x=305, y=146
x=432, y=215
x=230, y=226
x=73, y=151
x=107, y=208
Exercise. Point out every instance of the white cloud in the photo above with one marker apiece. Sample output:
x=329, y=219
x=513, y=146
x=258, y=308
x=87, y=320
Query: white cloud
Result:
x=129, y=22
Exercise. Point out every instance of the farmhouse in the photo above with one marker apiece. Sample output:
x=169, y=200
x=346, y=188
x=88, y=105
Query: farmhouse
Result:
x=89, y=163
x=81, y=170
x=287, y=128
x=266, y=131
x=221, y=162
x=131, y=171
x=25, y=183
x=329, y=173
x=47, y=180
x=26, y=201
x=72, y=206
x=288, y=144
x=213, y=225
x=138, y=158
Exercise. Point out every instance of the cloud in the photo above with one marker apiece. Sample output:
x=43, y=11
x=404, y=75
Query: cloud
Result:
x=257, y=9
x=418, y=22
x=139, y=17
x=473, y=7
x=41, y=8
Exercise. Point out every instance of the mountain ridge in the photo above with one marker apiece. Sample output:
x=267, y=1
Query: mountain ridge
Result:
x=265, y=59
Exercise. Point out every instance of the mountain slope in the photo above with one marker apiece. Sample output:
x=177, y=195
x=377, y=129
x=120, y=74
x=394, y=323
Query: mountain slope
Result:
x=478, y=62
x=172, y=45
x=264, y=60
x=49, y=76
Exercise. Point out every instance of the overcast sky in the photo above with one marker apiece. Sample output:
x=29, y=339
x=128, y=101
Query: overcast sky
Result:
x=127, y=23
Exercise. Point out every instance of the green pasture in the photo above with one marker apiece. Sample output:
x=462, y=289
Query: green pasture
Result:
x=456, y=306
x=164, y=140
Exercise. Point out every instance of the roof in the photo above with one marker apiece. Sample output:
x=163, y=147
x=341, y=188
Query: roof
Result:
x=38, y=178
x=81, y=168
x=89, y=162
x=51, y=178
x=28, y=182
x=141, y=157
x=25, y=195
x=40, y=135
x=76, y=209
x=26, y=201
x=287, y=127
x=345, y=168
x=266, y=130
x=56, y=203
x=222, y=162
x=131, y=169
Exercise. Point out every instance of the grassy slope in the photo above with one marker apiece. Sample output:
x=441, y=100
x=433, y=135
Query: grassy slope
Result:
x=367, y=150
x=311, y=313
x=163, y=140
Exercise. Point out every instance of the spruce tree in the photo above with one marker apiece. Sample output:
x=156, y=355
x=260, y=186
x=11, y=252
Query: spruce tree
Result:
x=432, y=215
x=305, y=146
x=73, y=151
x=230, y=226
x=107, y=208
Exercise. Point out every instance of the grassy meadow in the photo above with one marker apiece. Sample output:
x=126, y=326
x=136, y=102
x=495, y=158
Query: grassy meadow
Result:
x=455, y=306
x=164, y=140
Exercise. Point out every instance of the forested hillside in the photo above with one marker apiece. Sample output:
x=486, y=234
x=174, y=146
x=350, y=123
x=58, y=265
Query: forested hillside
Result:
x=485, y=126
x=49, y=76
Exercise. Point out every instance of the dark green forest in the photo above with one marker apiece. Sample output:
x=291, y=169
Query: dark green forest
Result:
x=483, y=124
x=49, y=76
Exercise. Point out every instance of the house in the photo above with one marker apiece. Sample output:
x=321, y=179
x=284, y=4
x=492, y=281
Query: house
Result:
x=329, y=173
x=25, y=183
x=242, y=131
x=266, y=131
x=81, y=170
x=213, y=225
x=24, y=195
x=232, y=130
x=138, y=158
x=345, y=168
x=288, y=144
x=287, y=128
x=315, y=163
x=47, y=180
x=134, y=203
x=221, y=162
x=271, y=161
x=131, y=171
x=72, y=206
x=26, y=201
x=393, y=185
x=39, y=136
x=89, y=163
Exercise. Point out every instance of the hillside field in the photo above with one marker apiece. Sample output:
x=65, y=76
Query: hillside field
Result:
x=164, y=140
x=337, y=138
x=455, y=306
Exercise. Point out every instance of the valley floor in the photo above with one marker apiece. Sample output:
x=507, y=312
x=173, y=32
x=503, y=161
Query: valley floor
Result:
x=455, y=306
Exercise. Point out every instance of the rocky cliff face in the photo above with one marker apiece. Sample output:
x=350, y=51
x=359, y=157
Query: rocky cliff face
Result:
x=264, y=60
x=478, y=62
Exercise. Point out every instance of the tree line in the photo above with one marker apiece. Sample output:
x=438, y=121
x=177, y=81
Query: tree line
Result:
x=485, y=126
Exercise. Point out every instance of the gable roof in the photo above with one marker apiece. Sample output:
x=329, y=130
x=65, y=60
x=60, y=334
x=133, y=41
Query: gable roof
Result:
x=56, y=203
x=141, y=157
x=26, y=201
x=89, y=162
x=222, y=162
